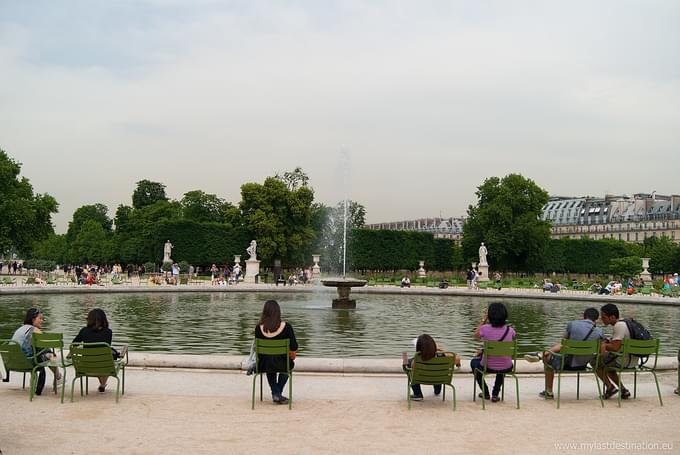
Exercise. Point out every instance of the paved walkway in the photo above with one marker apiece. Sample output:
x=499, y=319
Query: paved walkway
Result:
x=207, y=411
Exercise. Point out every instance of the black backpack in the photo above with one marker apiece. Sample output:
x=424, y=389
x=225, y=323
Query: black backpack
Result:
x=637, y=330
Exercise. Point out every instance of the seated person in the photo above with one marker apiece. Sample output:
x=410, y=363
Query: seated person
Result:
x=428, y=349
x=610, y=316
x=607, y=289
x=579, y=330
x=547, y=285
x=23, y=336
x=493, y=327
x=97, y=331
x=405, y=282
x=595, y=288
x=557, y=287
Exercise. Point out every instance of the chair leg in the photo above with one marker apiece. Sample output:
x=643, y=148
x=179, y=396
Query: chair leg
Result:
x=658, y=390
x=408, y=393
x=63, y=384
x=559, y=387
x=516, y=388
x=117, y=389
x=73, y=387
x=260, y=387
x=618, y=395
x=23, y=385
x=635, y=384
x=453, y=390
x=578, y=384
x=290, y=391
x=599, y=392
x=252, y=403
x=123, y=391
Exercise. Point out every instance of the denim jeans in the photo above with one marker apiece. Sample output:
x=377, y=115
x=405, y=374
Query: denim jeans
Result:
x=277, y=385
x=418, y=392
x=476, y=364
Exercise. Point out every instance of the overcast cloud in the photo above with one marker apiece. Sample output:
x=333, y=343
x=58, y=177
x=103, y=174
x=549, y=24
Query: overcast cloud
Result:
x=429, y=98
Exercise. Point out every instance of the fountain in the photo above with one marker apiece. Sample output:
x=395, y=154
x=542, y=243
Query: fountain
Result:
x=344, y=284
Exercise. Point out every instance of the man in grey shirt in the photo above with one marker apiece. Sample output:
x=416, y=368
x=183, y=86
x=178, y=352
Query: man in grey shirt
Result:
x=578, y=330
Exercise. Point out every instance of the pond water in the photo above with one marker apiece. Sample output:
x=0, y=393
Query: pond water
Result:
x=381, y=326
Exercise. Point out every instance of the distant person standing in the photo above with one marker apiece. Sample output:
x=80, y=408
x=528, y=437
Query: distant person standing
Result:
x=497, y=278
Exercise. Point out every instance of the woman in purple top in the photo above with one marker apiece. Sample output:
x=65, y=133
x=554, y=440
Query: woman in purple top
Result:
x=493, y=327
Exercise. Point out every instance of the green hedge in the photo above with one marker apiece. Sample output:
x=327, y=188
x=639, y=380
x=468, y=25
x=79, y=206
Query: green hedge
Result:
x=200, y=244
x=400, y=250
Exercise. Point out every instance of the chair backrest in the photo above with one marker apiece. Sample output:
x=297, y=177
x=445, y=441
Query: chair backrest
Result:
x=92, y=359
x=13, y=357
x=47, y=340
x=501, y=349
x=272, y=347
x=437, y=370
x=641, y=348
x=580, y=348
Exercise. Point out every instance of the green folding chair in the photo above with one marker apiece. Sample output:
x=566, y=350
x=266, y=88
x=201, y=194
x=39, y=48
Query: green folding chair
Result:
x=272, y=347
x=569, y=348
x=15, y=360
x=92, y=360
x=437, y=370
x=642, y=349
x=498, y=349
x=49, y=342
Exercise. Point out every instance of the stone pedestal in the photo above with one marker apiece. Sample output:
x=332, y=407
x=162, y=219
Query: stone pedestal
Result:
x=421, y=270
x=645, y=275
x=316, y=270
x=252, y=270
x=483, y=270
x=343, y=302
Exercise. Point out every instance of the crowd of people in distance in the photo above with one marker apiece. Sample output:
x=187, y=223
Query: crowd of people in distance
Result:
x=13, y=268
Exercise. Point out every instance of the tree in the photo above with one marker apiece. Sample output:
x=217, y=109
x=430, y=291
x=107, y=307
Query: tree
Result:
x=53, y=248
x=626, y=267
x=25, y=218
x=148, y=193
x=279, y=218
x=95, y=212
x=91, y=245
x=293, y=179
x=507, y=219
x=662, y=252
x=203, y=207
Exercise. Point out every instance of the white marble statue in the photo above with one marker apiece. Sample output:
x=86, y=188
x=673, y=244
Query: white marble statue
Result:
x=482, y=254
x=252, y=250
x=167, y=250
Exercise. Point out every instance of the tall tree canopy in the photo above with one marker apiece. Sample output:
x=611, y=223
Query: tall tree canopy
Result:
x=95, y=212
x=25, y=218
x=147, y=193
x=507, y=219
x=203, y=207
x=279, y=218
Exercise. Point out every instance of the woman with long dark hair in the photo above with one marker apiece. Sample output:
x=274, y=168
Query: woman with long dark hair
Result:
x=271, y=327
x=97, y=331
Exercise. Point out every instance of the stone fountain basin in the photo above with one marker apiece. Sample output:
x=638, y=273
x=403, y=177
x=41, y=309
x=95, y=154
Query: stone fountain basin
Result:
x=344, y=283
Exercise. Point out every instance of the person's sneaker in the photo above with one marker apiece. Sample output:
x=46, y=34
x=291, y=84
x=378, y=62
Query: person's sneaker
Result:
x=532, y=357
x=495, y=399
x=282, y=400
x=547, y=395
x=625, y=394
x=416, y=398
x=276, y=398
x=481, y=395
x=101, y=388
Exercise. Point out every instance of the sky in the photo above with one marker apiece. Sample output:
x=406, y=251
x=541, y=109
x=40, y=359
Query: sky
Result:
x=405, y=107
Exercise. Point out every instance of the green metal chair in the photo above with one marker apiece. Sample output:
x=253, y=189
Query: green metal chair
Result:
x=272, y=347
x=640, y=348
x=589, y=348
x=14, y=359
x=437, y=370
x=498, y=349
x=54, y=342
x=92, y=360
